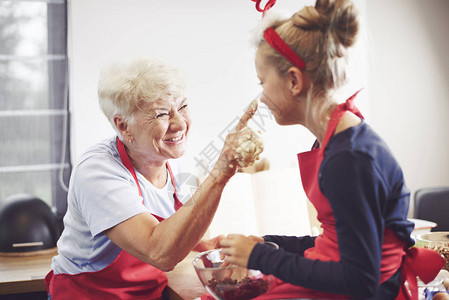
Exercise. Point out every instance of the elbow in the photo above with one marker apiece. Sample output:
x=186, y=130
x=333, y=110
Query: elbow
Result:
x=162, y=259
x=162, y=262
x=161, y=255
x=366, y=292
x=167, y=267
x=364, y=286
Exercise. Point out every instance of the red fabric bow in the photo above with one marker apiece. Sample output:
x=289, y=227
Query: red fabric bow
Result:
x=421, y=262
x=269, y=5
x=351, y=106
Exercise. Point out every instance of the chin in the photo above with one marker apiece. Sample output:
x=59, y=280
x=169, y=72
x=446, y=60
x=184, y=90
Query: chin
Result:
x=285, y=121
x=280, y=121
x=176, y=151
x=177, y=154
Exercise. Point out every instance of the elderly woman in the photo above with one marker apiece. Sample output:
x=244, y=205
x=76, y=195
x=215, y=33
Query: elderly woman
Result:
x=125, y=225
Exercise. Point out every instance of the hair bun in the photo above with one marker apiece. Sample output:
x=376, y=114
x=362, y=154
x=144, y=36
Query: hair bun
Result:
x=342, y=20
x=310, y=19
x=320, y=35
x=335, y=17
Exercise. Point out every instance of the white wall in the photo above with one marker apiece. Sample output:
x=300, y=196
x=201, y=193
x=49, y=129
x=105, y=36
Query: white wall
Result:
x=210, y=40
x=405, y=97
x=408, y=85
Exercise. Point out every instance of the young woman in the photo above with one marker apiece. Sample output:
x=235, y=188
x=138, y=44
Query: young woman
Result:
x=350, y=175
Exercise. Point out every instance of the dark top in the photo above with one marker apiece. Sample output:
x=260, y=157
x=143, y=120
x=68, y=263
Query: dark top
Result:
x=365, y=187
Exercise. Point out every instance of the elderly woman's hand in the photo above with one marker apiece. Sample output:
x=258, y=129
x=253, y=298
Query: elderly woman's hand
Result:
x=242, y=146
x=210, y=244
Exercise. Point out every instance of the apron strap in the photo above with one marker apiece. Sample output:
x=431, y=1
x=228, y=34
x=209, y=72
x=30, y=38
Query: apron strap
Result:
x=341, y=109
x=127, y=163
x=178, y=204
x=129, y=166
x=351, y=106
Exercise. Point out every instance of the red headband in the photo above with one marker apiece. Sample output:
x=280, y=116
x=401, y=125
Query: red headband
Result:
x=282, y=48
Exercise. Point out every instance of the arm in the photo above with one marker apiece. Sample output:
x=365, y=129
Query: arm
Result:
x=354, y=189
x=292, y=243
x=166, y=243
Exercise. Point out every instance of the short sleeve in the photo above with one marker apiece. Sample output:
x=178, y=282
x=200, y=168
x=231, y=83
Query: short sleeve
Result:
x=105, y=193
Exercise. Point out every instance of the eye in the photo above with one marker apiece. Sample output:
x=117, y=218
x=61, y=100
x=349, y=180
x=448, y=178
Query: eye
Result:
x=162, y=116
x=183, y=107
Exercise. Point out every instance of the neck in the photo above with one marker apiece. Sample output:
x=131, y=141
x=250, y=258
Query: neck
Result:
x=318, y=118
x=154, y=171
x=319, y=128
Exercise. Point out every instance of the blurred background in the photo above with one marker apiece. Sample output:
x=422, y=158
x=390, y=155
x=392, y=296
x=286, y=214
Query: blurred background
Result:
x=51, y=53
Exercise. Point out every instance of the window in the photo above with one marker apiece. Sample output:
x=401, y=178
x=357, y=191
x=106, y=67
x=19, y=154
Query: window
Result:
x=34, y=152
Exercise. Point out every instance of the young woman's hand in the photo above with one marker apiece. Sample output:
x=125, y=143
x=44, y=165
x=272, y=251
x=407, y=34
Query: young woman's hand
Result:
x=237, y=248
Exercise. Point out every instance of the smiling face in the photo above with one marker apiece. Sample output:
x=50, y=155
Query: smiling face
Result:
x=160, y=130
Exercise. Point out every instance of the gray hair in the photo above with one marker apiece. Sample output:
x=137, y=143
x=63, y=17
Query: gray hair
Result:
x=124, y=87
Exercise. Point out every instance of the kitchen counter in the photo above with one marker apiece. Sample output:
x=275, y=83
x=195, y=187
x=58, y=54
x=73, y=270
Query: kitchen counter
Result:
x=184, y=281
x=25, y=274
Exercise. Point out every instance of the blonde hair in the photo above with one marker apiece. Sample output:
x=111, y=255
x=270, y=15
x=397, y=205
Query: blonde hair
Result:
x=124, y=87
x=320, y=35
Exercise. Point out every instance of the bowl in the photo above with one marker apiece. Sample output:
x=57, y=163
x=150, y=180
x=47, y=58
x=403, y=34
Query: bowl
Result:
x=229, y=282
x=438, y=241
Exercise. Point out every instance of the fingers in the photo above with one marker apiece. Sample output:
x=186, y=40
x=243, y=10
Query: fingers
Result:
x=225, y=264
x=228, y=241
x=249, y=113
x=227, y=254
x=237, y=249
x=257, y=238
x=247, y=145
x=242, y=146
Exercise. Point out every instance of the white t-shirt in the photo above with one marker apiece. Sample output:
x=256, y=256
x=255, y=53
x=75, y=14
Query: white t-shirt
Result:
x=103, y=193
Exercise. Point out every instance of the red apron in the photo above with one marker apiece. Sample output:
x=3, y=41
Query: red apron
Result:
x=125, y=278
x=326, y=245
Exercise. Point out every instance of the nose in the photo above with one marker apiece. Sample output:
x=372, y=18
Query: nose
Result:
x=178, y=122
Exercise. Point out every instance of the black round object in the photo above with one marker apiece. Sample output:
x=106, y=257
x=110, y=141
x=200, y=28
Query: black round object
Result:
x=26, y=224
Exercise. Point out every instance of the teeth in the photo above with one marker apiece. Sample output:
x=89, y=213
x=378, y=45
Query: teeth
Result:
x=175, y=139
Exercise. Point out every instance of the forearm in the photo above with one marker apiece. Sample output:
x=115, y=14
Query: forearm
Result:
x=354, y=191
x=341, y=277
x=166, y=243
x=176, y=236
x=292, y=243
x=185, y=228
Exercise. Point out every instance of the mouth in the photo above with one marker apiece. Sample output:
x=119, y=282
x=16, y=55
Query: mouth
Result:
x=269, y=104
x=264, y=99
x=175, y=140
